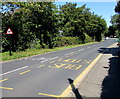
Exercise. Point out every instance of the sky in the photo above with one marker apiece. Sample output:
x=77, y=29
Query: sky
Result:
x=104, y=9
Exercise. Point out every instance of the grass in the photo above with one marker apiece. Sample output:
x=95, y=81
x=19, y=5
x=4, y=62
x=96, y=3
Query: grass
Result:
x=30, y=52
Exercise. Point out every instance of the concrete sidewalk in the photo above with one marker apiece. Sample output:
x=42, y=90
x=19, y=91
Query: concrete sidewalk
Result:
x=103, y=81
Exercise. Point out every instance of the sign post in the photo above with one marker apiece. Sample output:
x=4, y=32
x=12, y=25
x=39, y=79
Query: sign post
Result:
x=9, y=32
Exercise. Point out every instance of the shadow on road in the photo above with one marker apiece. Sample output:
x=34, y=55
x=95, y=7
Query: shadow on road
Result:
x=75, y=90
x=114, y=51
x=111, y=83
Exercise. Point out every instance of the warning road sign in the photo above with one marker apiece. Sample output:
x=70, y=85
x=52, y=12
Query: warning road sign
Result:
x=9, y=31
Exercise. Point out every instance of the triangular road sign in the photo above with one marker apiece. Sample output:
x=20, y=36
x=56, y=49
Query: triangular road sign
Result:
x=9, y=31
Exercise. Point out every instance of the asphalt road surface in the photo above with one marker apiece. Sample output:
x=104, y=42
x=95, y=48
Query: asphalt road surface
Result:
x=47, y=73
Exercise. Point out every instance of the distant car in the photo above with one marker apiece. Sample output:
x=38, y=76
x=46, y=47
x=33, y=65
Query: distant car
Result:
x=106, y=38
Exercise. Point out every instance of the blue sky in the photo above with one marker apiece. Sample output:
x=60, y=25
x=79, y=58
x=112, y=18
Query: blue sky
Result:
x=104, y=9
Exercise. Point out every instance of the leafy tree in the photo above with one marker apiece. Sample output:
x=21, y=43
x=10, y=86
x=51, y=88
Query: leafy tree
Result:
x=30, y=21
x=117, y=8
x=76, y=21
x=41, y=24
x=115, y=20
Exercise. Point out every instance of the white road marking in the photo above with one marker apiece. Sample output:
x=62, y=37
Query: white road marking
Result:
x=38, y=58
x=44, y=61
x=53, y=58
x=81, y=50
x=49, y=59
x=33, y=59
x=72, y=52
x=13, y=70
x=69, y=53
x=88, y=47
x=41, y=58
x=66, y=54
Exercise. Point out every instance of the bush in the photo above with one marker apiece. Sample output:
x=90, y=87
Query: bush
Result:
x=65, y=41
x=88, y=38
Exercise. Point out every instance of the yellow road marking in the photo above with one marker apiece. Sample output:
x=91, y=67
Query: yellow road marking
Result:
x=78, y=61
x=7, y=88
x=48, y=95
x=78, y=67
x=87, y=61
x=67, y=56
x=52, y=62
x=4, y=80
x=73, y=60
x=24, y=72
x=60, y=59
x=40, y=66
x=78, y=80
x=57, y=65
x=81, y=76
x=67, y=60
x=68, y=66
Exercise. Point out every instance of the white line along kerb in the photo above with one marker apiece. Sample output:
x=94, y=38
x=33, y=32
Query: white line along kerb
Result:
x=13, y=70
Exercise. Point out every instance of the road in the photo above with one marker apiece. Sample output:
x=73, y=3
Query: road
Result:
x=47, y=74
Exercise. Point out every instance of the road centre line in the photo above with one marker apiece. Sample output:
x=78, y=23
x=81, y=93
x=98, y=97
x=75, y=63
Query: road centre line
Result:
x=7, y=88
x=53, y=58
x=13, y=70
x=49, y=59
x=24, y=72
x=66, y=54
x=41, y=58
x=88, y=47
x=4, y=80
x=81, y=50
x=44, y=61
x=70, y=53
x=33, y=59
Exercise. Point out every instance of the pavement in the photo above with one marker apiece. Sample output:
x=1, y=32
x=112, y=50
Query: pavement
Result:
x=103, y=81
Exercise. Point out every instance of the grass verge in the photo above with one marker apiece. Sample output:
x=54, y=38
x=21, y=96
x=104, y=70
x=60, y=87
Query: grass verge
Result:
x=30, y=52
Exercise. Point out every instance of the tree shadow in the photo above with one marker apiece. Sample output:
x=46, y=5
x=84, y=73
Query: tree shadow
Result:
x=111, y=83
x=75, y=90
x=114, y=51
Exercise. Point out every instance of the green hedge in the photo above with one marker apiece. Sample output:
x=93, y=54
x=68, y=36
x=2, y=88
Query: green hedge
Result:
x=65, y=41
x=60, y=41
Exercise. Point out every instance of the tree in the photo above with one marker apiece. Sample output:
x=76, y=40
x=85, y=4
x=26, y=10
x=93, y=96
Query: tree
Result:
x=30, y=21
x=115, y=20
x=117, y=8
